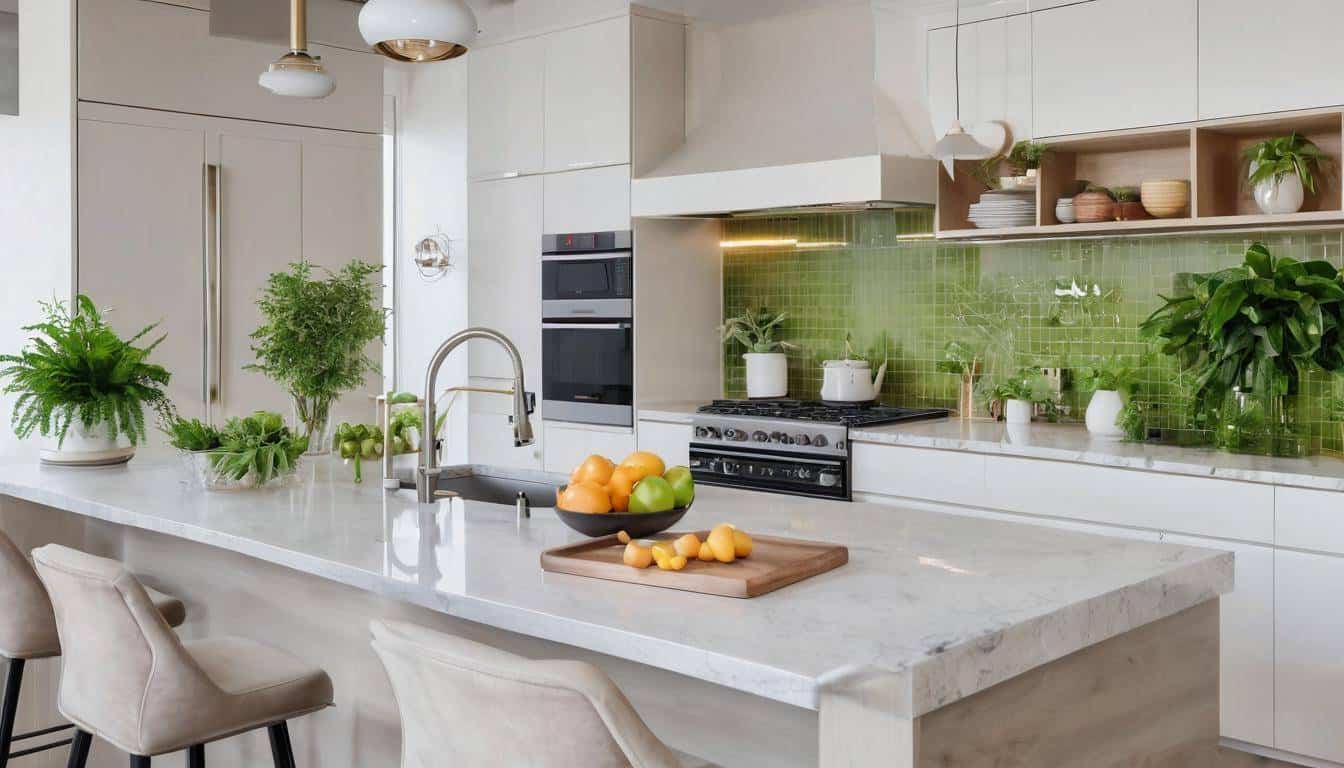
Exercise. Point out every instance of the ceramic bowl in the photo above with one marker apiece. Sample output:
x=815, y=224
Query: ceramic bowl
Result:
x=1092, y=207
x=1064, y=211
x=1165, y=199
x=639, y=526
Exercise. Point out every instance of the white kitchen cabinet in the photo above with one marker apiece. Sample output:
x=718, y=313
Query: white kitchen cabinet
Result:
x=587, y=104
x=1309, y=654
x=505, y=109
x=567, y=445
x=995, y=74
x=491, y=441
x=671, y=441
x=504, y=274
x=1307, y=519
x=187, y=70
x=945, y=476
x=593, y=200
x=1114, y=64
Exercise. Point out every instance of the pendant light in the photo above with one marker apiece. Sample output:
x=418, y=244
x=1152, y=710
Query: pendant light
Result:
x=298, y=74
x=418, y=31
x=957, y=144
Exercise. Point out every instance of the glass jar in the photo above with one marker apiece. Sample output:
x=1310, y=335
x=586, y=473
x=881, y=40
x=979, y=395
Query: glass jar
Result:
x=1260, y=425
x=312, y=419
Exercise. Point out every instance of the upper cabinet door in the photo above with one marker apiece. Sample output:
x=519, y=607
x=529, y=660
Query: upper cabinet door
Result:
x=505, y=109
x=588, y=96
x=995, y=74
x=1255, y=57
x=1114, y=64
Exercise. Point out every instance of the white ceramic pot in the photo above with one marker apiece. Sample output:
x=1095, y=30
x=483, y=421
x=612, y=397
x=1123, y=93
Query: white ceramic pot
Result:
x=1017, y=411
x=767, y=374
x=1102, y=412
x=1285, y=196
x=79, y=440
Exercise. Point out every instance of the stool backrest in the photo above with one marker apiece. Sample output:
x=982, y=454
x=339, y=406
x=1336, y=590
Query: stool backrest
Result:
x=27, y=625
x=464, y=703
x=123, y=665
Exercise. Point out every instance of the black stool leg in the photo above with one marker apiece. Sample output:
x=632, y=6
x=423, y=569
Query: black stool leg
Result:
x=9, y=708
x=139, y=762
x=79, y=750
x=282, y=751
x=196, y=756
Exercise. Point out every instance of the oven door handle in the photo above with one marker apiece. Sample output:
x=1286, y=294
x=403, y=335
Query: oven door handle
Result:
x=585, y=326
x=620, y=255
x=717, y=451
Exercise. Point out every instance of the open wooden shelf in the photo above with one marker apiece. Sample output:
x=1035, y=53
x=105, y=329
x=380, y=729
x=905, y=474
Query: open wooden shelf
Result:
x=1208, y=154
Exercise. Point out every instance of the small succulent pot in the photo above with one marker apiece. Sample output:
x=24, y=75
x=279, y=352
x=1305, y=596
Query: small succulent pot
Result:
x=1064, y=211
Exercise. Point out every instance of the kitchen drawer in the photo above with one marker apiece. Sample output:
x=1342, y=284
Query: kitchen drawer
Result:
x=1305, y=519
x=1309, y=654
x=919, y=473
x=567, y=445
x=671, y=441
x=1190, y=505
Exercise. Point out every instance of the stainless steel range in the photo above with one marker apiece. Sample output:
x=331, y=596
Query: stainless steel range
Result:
x=785, y=446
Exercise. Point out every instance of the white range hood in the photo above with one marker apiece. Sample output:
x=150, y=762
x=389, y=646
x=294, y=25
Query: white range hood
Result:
x=819, y=109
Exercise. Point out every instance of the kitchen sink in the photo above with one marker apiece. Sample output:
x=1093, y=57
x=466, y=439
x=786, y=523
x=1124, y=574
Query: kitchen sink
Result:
x=497, y=485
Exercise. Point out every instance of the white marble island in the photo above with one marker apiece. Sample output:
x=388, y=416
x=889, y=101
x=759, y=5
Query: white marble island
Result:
x=931, y=611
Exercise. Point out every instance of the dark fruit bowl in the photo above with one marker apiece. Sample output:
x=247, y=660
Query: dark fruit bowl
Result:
x=639, y=526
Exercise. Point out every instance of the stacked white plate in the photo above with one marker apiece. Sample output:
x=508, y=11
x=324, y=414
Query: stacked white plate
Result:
x=1004, y=208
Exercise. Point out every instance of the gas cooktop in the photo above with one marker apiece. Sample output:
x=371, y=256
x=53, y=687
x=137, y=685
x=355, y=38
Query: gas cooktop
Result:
x=857, y=415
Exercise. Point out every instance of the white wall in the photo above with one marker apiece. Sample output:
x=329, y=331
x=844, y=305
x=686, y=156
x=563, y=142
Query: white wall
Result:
x=432, y=165
x=37, y=182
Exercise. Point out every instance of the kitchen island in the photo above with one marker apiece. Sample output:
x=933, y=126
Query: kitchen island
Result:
x=939, y=626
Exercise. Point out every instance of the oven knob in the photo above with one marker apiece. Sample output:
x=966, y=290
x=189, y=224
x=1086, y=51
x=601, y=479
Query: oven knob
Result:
x=802, y=440
x=820, y=441
x=708, y=433
x=768, y=471
x=760, y=437
x=829, y=479
x=736, y=435
x=804, y=473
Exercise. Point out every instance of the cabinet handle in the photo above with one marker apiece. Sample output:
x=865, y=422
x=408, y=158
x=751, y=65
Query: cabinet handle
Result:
x=212, y=352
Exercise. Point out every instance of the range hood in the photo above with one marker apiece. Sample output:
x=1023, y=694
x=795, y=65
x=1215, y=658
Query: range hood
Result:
x=819, y=111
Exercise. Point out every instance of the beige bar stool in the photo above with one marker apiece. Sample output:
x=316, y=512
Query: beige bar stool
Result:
x=128, y=678
x=463, y=703
x=28, y=632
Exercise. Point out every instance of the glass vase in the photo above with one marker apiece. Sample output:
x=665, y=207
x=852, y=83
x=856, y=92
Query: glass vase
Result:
x=312, y=419
x=966, y=397
x=1260, y=425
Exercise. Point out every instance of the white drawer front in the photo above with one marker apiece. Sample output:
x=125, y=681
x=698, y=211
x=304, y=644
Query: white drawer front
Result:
x=919, y=473
x=1306, y=519
x=671, y=441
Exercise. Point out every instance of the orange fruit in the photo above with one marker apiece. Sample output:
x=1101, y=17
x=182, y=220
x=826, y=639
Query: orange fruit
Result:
x=595, y=468
x=688, y=545
x=587, y=496
x=647, y=462
x=621, y=485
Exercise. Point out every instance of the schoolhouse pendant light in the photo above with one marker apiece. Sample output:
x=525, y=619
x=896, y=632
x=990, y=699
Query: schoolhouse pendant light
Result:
x=957, y=144
x=418, y=31
x=298, y=74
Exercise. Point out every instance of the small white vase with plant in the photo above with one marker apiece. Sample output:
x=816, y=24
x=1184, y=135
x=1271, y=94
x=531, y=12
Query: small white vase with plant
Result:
x=1020, y=395
x=82, y=386
x=767, y=363
x=1281, y=171
x=1111, y=382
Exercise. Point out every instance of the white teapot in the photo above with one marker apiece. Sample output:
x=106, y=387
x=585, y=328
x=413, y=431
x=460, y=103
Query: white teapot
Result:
x=851, y=381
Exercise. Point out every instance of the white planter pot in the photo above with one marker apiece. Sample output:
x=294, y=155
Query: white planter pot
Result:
x=767, y=374
x=1017, y=411
x=83, y=441
x=1102, y=412
x=1284, y=197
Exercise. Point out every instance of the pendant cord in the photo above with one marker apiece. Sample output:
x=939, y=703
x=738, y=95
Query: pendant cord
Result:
x=956, y=58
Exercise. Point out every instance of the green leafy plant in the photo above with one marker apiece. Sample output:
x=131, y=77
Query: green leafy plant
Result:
x=1125, y=194
x=358, y=442
x=755, y=329
x=1109, y=373
x=404, y=427
x=1257, y=327
x=259, y=445
x=959, y=359
x=190, y=435
x=1028, y=385
x=1132, y=422
x=1274, y=159
x=77, y=370
x=1027, y=155
x=315, y=333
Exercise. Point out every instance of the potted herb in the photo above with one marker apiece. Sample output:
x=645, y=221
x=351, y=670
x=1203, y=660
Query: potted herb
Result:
x=1280, y=172
x=767, y=364
x=1111, y=381
x=1020, y=394
x=1025, y=157
x=82, y=386
x=965, y=363
x=248, y=452
x=314, y=339
x=1249, y=332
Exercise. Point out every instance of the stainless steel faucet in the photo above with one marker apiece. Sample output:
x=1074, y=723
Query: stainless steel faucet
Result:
x=522, y=424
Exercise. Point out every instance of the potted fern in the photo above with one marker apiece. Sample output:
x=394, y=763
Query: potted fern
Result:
x=82, y=386
x=314, y=339
x=1280, y=172
x=767, y=364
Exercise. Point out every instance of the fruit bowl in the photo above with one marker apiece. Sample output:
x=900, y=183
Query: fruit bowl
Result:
x=638, y=524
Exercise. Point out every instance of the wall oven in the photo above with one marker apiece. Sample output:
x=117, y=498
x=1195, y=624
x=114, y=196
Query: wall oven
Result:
x=587, y=332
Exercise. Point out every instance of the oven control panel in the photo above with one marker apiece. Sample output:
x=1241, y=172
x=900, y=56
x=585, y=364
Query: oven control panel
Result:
x=772, y=435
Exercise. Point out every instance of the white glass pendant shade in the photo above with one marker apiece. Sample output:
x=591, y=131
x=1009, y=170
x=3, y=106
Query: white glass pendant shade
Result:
x=418, y=31
x=298, y=75
x=957, y=144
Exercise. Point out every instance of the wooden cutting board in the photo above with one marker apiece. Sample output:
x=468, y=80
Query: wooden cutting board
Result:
x=774, y=562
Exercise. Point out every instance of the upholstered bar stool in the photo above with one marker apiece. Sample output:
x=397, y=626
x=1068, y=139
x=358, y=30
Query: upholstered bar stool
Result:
x=28, y=632
x=464, y=703
x=128, y=678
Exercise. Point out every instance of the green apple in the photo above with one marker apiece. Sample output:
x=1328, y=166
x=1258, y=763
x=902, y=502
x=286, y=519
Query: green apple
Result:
x=652, y=494
x=683, y=485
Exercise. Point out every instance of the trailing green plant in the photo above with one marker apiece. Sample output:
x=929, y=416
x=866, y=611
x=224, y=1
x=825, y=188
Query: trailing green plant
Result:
x=1274, y=159
x=1027, y=155
x=1257, y=327
x=755, y=329
x=75, y=369
x=190, y=435
x=316, y=331
x=1106, y=373
x=259, y=445
x=1132, y=421
x=959, y=359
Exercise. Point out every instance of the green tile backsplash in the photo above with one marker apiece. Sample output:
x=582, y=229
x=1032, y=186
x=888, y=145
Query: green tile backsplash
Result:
x=903, y=295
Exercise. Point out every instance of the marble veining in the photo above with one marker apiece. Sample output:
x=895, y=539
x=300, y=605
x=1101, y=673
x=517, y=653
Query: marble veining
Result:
x=1072, y=442
x=938, y=606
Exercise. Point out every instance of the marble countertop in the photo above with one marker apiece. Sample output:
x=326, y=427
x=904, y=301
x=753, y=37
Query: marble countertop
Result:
x=939, y=605
x=670, y=411
x=1072, y=442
